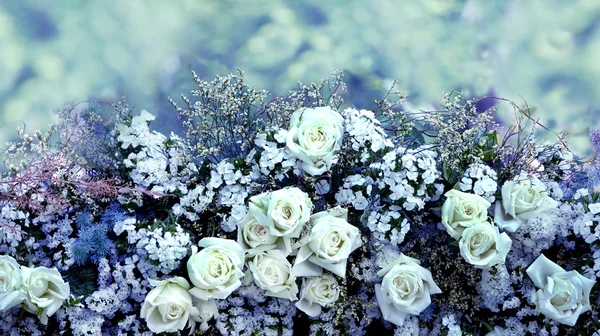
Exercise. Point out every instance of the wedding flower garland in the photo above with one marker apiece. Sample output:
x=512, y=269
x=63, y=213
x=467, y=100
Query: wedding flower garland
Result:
x=298, y=215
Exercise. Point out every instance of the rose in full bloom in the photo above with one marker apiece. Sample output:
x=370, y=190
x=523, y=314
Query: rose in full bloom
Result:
x=318, y=292
x=406, y=288
x=284, y=212
x=462, y=210
x=562, y=296
x=216, y=270
x=272, y=272
x=328, y=246
x=10, y=283
x=315, y=134
x=168, y=306
x=522, y=199
x=253, y=237
x=45, y=291
x=482, y=245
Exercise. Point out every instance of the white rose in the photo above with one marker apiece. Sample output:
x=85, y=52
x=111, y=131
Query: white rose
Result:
x=328, y=246
x=521, y=199
x=563, y=295
x=406, y=288
x=45, y=291
x=283, y=211
x=498, y=331
x=314, y=136
x=272, y=272
x=318, y=292
x=168, y=306
x=216, y=270
x=253, y=237
x=482, y=245
x=462, y=210
x=10, y=283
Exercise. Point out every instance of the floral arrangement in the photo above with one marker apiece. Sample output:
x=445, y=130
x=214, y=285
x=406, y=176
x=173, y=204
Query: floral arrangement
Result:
x=298, y=215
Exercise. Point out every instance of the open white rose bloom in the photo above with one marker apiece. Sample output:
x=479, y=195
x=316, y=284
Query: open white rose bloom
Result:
x=45, y=291
x=562, y=296
x=318, y=292
x=314, y=136
x=216, y=270
x=284, y=212
x=406, y=289
x=272, y=272
x=483, y=246
x=462, y=210
x=10, y=283
x=168, y=306
x=328, y=246
x=522, y=198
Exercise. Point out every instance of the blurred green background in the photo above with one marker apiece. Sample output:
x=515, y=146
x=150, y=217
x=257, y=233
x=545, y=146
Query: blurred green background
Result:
x=545, y=52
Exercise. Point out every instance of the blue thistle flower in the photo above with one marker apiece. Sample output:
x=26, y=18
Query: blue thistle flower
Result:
x=84, y=219
x=93, y=242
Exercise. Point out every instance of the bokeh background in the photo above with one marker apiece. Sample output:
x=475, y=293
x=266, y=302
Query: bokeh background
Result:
x=544, y=52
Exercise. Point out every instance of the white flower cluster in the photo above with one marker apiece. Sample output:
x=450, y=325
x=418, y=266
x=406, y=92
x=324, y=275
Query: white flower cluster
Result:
x=408, y=177
x=167, y=248
x=11, y=223
x=380, y=223
x=453, y=328
x=276, y=159
x=155, y=165
x=227, y=187
x=160, y=251
x=365, y=131
x=481, y=180
x=406, y=180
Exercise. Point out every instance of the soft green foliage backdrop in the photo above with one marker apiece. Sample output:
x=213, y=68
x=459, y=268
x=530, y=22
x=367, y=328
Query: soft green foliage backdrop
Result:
x=546, y=52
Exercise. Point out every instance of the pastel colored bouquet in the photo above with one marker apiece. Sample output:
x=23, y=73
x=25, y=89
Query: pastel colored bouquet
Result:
x=298, y=215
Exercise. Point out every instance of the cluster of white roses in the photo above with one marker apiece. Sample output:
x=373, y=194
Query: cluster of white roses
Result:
x=264, y=242
x=272, y=231
x=465, y=217
x=40, y=290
